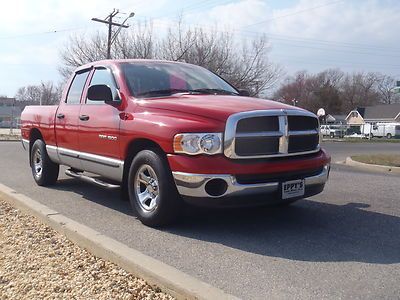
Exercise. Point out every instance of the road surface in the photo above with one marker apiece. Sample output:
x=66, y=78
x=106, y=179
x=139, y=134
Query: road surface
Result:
x=343, y=243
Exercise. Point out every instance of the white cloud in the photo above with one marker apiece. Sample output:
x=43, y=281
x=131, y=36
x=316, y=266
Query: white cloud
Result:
x=371, y=22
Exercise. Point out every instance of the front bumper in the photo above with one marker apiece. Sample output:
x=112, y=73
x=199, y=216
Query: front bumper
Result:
x=194, y=185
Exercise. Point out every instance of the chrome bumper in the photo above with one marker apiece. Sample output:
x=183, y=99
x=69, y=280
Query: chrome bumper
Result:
x=193, y=185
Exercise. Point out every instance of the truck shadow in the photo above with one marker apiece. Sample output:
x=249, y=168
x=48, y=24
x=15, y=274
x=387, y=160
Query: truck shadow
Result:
x=307, y=230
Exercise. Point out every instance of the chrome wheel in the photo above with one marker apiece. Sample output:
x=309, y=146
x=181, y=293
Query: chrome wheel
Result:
x=37, y=163
x=146, y=188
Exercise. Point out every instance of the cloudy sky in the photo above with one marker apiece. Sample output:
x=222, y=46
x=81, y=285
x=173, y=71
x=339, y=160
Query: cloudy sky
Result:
x=353, y=35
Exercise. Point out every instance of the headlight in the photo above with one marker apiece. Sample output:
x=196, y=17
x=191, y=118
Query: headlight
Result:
x=198, y=143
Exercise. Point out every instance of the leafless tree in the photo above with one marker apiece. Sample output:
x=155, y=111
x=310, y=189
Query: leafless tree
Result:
x=246, y=68
x=46, y=93
x=313, y=91
x=359, y=89
x=385, y=87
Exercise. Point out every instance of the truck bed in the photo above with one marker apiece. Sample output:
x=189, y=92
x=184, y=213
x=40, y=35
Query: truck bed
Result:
x=41, y=117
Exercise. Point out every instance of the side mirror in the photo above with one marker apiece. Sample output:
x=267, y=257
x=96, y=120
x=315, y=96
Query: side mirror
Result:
x=244, y=93
x=100, y=92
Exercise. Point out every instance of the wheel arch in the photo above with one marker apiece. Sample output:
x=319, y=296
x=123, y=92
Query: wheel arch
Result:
x=34, y=135
x=133, y=148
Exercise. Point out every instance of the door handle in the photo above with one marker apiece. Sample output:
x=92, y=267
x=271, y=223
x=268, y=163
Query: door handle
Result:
x=60, y=116
x=83, y=117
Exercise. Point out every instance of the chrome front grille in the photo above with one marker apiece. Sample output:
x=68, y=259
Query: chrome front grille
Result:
x=271, y=133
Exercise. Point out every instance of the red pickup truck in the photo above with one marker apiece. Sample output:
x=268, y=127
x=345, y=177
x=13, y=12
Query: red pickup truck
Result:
x=169, y=132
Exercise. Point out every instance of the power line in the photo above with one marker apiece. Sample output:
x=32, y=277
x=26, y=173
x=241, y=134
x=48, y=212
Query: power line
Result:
x=42, y=33
x=294, y=41
x=296, y=13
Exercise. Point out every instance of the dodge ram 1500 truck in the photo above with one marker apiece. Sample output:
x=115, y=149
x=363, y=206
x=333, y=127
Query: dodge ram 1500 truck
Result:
x=169, y=132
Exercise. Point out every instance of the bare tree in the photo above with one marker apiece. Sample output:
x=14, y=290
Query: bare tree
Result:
x=359, y=89
x=46, y=93
x=248, y=68
x=385, y=85
x=313, y=91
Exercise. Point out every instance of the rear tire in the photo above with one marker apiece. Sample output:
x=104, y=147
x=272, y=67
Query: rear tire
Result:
x=389, y=136
x=332, y=135
x=152, y=191
x=44, y=171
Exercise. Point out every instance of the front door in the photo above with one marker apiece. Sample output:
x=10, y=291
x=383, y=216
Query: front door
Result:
x=99, y=137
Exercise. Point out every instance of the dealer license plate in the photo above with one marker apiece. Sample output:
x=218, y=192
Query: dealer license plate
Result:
x=293, y=188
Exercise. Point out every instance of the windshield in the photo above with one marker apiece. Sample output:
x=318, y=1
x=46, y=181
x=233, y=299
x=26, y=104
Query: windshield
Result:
x=155, y=79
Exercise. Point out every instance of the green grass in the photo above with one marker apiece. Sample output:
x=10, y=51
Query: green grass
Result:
x=390, y=160
x=359, y=140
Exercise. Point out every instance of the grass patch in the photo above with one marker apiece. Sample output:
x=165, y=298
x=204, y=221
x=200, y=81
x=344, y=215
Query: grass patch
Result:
x=360, y=140
x=390, y=160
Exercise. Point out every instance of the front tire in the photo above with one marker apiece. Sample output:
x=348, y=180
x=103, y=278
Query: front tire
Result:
x=389, y=136
x=44, y=171
x=152, y=191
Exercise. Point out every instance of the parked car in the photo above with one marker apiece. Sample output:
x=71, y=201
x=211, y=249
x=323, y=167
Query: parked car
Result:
x=333, y=131
x=169, y=132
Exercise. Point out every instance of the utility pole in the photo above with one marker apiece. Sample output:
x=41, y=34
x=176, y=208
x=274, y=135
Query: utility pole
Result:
x=110, y=24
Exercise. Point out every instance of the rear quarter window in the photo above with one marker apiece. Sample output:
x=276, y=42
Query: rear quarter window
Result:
x=76, y=88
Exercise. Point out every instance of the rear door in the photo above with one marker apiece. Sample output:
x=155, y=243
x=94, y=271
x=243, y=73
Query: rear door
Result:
x=99, y=137
x=67, y=121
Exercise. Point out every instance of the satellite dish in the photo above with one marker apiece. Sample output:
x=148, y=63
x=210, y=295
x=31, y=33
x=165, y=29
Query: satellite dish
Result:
x=321, y=112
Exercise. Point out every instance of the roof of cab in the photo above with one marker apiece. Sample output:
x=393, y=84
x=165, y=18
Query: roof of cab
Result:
x=113, y=62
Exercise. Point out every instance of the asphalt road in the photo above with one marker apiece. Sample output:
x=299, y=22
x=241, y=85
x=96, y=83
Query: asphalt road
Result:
x=343, y=243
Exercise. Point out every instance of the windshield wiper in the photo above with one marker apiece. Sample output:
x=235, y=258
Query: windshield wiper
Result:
x=215, y=91
x=166, y=92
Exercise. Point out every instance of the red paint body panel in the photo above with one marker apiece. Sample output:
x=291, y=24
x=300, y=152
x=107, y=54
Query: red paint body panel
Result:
x=219, y=164
x=158, y=120
x=42, y=118
x=217, y=107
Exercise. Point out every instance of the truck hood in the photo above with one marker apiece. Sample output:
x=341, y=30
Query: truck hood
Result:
x=218, y=107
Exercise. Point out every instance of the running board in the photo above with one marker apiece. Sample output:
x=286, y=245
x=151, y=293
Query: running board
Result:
x=91, y=179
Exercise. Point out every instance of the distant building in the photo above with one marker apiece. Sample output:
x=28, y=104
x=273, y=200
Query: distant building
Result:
x=383, y=113
x=9, y=113
x=336, y=119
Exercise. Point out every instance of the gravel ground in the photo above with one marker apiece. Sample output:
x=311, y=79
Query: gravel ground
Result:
x=36, y=262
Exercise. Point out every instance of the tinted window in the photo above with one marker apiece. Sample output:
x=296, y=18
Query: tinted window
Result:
x=144, y=78
x=77, y=85
x=103, y=76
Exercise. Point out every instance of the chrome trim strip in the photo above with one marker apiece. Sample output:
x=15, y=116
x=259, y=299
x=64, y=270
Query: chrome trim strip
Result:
x=25, y=144
x=303, y=132
x=107, y=161
x=260, y=134
x=53, y=154
x=283, y=140
x=108, y=167
x=284, y=133
x=193, y=185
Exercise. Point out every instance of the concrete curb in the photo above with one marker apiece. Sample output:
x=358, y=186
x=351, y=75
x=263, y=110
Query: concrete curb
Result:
x=369, y=167
x=156, y=273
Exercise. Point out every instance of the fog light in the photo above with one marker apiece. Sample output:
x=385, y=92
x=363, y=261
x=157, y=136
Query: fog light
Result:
x=216, y=187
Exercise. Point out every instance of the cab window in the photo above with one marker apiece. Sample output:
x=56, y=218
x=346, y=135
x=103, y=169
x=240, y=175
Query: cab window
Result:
x=76, y=88
x=103, y=76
